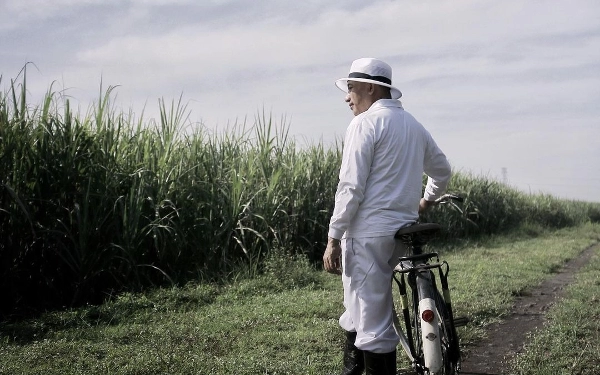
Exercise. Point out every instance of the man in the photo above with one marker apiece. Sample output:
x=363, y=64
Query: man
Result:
x=386, y=151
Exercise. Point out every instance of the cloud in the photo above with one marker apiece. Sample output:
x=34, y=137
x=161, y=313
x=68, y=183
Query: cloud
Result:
x=500, y=84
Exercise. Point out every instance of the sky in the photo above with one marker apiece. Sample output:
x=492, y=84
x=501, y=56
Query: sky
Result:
x=510, y=90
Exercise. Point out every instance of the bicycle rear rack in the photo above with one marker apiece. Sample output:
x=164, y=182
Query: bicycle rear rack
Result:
x=403, y=268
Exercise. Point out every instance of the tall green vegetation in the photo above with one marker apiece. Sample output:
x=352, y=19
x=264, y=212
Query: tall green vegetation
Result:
x=96, y=203
x=491, y=207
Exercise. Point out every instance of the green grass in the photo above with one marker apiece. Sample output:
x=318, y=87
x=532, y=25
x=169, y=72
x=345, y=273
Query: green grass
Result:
x=486, y=278
x=242, y=329
x=274, y=324
x=569, y=342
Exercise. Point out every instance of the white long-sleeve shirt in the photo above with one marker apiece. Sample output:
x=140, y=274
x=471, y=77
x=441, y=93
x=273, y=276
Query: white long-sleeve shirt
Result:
x=386, y=151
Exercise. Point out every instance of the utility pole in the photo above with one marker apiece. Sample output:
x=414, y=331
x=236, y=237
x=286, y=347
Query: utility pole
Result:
x=505, y=175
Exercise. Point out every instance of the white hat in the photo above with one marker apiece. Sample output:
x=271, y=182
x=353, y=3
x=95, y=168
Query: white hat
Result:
x=370, y=70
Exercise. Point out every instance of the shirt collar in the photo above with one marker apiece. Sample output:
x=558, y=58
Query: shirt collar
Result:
x=386, y=103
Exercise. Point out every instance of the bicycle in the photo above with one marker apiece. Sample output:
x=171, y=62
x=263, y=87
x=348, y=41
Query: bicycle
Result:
x=431, y=342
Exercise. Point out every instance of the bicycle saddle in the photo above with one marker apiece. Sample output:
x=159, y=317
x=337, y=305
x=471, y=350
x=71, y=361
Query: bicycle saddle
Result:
x=421, y=228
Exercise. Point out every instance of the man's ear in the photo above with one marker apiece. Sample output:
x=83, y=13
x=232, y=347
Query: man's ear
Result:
x=372, y=89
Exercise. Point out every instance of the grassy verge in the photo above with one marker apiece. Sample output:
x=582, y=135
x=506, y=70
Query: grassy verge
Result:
x=487, y=276
x=569, y=343
x=280, y=323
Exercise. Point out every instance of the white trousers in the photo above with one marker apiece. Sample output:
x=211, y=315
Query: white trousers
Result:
x=368, y=265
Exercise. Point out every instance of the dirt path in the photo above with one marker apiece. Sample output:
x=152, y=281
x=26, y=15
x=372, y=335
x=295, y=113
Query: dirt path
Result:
x=505, y=339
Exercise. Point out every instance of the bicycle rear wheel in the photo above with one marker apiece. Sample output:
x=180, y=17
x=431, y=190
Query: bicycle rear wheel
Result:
x=448, y=338
x=448, y=349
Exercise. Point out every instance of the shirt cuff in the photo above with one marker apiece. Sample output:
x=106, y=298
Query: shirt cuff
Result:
x=335, y=233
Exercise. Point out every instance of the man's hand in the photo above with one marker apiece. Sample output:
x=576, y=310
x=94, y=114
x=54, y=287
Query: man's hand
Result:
x=332, y=259
x=424, y=205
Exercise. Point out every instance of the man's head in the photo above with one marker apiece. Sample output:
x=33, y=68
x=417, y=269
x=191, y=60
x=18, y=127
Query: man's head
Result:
x=361, y=95
x=368, y=81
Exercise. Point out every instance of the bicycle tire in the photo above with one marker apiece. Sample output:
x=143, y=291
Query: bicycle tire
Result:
x=415, y=322
x=448, y=338
x=415, y=325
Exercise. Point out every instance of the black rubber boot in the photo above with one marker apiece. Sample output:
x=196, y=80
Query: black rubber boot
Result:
x=380, y=364
x=354, y=360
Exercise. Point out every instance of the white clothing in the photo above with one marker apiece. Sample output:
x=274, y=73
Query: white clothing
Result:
x=367, y=268
x=385, y=154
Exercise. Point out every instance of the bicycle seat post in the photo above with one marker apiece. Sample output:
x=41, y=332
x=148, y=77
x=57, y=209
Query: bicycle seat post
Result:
x=416, y=236
x=418, y=242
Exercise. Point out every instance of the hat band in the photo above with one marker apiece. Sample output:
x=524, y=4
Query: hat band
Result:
x=368, y=76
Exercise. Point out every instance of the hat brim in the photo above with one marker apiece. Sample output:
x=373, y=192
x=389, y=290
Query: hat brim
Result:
x=342, y=84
